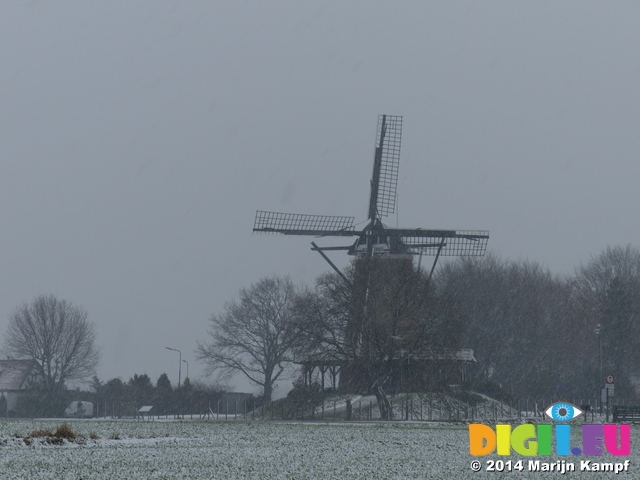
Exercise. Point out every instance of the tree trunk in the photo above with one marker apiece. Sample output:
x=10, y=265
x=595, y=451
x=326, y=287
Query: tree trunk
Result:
x=386, y=412
x=268, y=386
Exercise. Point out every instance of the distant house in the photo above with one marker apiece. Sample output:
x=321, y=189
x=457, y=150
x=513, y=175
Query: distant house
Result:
x=15, y=377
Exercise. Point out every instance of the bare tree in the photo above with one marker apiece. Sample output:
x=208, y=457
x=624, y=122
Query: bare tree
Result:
x=57, y=336
x=255, y=335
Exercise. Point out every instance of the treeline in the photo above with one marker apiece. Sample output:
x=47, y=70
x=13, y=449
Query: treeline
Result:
x=534, y=334
x=115, y=398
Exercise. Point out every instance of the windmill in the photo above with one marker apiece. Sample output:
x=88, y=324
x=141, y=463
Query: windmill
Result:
x=383, y=254
x=376, y=239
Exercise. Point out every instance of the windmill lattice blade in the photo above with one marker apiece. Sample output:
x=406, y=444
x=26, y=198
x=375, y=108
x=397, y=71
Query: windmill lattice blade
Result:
x=387, y=188
x=449, y=243
x=301, y=224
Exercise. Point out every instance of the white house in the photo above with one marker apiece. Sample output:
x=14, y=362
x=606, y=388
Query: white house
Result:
x=15, y=377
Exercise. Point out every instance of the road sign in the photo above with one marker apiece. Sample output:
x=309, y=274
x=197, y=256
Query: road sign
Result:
x=609, y=387
x=609, y=379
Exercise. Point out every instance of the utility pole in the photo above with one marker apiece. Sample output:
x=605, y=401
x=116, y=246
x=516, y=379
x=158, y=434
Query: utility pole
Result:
x=179, y=363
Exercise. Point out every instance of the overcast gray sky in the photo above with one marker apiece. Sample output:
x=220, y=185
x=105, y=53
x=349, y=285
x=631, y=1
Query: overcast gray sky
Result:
x=138, y=139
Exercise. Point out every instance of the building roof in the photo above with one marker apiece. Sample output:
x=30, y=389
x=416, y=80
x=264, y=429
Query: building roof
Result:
x=461, y=355
x=14, y=374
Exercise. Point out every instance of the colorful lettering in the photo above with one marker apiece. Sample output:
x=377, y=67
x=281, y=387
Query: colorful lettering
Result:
x=530, y=440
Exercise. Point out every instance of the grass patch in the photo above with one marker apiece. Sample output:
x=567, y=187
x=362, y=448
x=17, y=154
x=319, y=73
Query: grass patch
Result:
x=65, y=431
x=62, y=433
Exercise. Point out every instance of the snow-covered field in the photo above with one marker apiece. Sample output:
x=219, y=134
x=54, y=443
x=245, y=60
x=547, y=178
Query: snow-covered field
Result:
x=238, y=450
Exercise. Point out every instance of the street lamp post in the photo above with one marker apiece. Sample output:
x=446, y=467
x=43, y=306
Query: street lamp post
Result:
x=599, y=334
x=179, y=363
x=187, y=368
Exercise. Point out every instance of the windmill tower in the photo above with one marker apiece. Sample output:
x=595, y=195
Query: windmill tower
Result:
x=382, y=253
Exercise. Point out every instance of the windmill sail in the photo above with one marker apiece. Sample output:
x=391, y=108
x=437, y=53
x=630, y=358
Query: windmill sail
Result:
x=301, y=224
x=376, y=239
x=443, y=242
x=386, y=162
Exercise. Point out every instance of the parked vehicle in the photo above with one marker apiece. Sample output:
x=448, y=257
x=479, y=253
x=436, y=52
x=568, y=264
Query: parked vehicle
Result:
x=79, y=409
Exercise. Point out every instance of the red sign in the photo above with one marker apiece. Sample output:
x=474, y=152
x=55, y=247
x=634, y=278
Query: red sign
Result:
x=609, y=379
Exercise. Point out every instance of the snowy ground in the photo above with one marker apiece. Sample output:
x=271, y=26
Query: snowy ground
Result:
x=238, y=450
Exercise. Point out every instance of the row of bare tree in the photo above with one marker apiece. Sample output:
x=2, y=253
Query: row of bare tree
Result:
x=533, y=333
x=538, y=334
